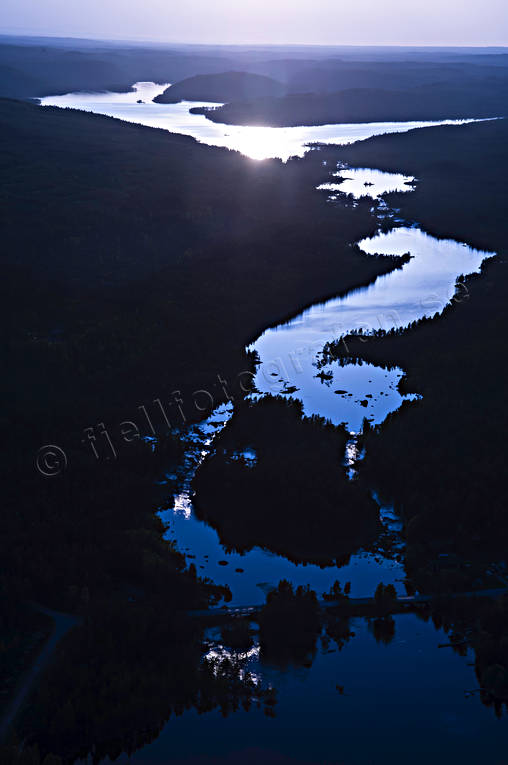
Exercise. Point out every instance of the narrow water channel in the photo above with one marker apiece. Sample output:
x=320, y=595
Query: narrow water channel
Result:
x=423, y=287
x=288, y=356
x=288, y=353
x=290, y=361
x=288, y=365
x=412, y=692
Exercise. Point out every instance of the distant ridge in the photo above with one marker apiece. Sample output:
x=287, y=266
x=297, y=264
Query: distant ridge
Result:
x=482, y=99
x=222, y=88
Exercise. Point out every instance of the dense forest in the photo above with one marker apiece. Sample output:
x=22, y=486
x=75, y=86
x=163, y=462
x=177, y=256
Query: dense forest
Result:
x=34, y=67
x=226, y=86
x=137, y=266
x=478, y=98
x=441, y=458
x=295, y=499
x=122, y=271
x=116, y=250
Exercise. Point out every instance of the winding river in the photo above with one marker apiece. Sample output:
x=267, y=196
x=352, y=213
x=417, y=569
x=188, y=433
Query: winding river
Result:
x=422, y=288
x=289, y=353
x=398, y=684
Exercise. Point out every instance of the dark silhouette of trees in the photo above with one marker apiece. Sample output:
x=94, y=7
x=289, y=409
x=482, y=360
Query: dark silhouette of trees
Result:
x=481, y=98
x=296, y=499
x=383, y=629
x=289, y=625
x=385, y=598
x=221, y=87
x=429, y=457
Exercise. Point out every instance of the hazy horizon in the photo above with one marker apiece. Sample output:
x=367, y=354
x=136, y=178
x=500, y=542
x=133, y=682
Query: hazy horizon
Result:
x=296, y=22
x=28, y=34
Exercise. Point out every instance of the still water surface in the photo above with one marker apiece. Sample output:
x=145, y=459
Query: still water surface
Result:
x=260, y=570
x=405, y=702
x=423, y=287
x=410, y=694
x=364, y=181
x=289, y=354
x=255, y=142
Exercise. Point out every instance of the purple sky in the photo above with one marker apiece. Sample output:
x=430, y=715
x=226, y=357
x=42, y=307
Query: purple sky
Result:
x=348, y=22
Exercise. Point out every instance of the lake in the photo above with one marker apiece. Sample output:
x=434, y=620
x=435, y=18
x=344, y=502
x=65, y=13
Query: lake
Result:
x=255, y=142
x=410, y=694
x=423, y=287
x=289, y=353
x=402, y=702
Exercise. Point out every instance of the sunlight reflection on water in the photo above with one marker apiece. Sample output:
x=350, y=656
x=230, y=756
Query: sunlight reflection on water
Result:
x=289, y=353
x=255, y=142
x=362, y=181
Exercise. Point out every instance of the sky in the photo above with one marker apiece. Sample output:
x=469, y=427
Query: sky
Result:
x=316, y=22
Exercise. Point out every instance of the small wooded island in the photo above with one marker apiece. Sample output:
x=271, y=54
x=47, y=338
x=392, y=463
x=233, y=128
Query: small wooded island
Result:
x=221, y=88
x=256, y=389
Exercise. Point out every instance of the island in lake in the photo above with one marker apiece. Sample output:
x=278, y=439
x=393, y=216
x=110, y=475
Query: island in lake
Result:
x=254, y=304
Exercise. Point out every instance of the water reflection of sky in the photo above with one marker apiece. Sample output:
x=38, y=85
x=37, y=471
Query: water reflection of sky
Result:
x=362, y=181
x=252, y=574
x=408, y=696
x=421, y=288
x=255, y=142
x=288, y=353
x=404, y=702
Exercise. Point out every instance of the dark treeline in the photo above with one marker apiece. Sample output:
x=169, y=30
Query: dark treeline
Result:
x=226, y=86
x=442, y=459
x=139, y=263
x=117, y=680
x=45, y=66
x=34, y=67
x=295, y=499
x=290, y=624
x=462, y=194
x=135, y=263
x=477, y=98
x=92, y=533
x=481, y=624
x=90, y=543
